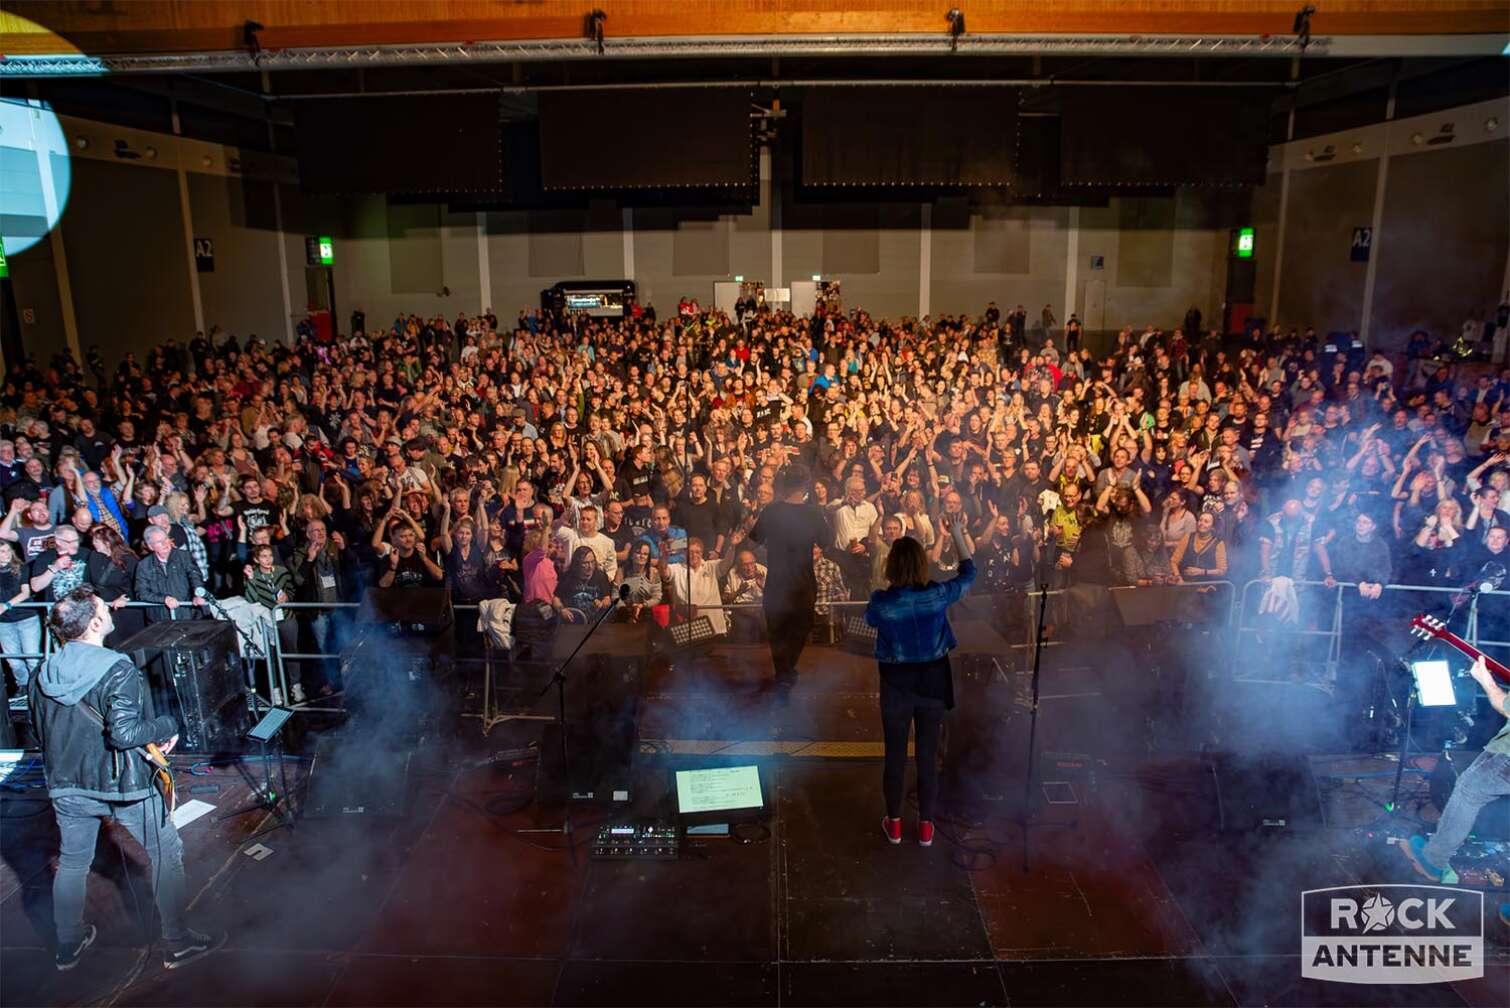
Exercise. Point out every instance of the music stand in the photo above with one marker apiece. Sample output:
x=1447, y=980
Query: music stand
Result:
x=1430, y=686
x=269, y=730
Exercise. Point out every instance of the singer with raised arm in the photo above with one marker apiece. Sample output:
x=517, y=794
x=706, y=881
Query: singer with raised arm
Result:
x=913, y=641
x=169, y=577
x=1487, y=778
x=89, y=711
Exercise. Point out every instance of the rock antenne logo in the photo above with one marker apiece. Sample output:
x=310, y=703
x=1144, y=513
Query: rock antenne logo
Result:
x=1392, y=934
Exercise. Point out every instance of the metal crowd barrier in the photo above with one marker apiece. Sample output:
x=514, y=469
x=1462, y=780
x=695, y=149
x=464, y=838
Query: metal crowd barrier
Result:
x=1330, y=627
x=1239, y=619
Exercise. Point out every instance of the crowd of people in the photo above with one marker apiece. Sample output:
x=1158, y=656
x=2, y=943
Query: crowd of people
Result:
x=551, y=460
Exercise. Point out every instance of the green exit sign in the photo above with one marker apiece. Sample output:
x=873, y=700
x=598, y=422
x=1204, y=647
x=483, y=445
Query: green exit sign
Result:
x=4, y=266
x=1244, y=246
x=319, y=251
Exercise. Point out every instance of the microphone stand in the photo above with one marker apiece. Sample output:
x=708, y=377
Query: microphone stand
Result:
x=558, y=680
x=1047, y=560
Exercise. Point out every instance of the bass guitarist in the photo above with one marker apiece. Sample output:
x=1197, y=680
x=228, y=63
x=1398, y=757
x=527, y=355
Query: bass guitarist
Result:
x=88, y=710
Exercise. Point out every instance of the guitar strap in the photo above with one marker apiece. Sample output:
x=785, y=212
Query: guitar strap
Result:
x=99, y=719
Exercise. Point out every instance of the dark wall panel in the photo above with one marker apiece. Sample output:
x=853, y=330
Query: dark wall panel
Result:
x=633, y=139
x=909, y=136
x=1161, y=136
x=1442, y=242
x=415, y=258
x=1145, y=242
x=1319, y=284
x=127, y=262
x=700, y=248
x=1002, y=241
x=406, y=144
x=244, y=293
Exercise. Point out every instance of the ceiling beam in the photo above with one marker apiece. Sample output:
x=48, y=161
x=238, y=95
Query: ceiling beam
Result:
x=180, y=26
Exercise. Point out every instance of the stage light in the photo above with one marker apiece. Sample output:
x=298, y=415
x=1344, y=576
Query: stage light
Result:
x=37, y=173
x=595, y=20
x=956, y=19
x=1302, y=26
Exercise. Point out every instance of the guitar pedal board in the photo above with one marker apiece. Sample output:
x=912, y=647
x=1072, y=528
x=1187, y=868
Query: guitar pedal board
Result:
x=646, y=842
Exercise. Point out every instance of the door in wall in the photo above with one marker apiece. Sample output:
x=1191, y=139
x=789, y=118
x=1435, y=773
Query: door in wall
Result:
x=1095, y=305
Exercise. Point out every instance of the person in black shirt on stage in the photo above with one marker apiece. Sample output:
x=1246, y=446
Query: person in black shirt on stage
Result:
x=789, y=528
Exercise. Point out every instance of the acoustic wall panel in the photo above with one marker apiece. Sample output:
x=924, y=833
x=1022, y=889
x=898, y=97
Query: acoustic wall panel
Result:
x=644, y=139
x=1163, y=136
x=400, y=144
x=909, y=136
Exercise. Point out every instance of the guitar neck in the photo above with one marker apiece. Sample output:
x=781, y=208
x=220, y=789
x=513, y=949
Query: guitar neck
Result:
x=1496, y=669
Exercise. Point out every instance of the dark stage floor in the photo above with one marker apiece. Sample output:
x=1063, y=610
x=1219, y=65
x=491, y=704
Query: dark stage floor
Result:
x=448, y=905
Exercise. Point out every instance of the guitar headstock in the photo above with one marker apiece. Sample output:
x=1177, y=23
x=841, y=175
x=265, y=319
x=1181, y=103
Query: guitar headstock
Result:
x=1427, y=627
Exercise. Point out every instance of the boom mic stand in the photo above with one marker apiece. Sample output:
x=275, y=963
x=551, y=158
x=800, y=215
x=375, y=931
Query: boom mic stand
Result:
x=558, y=680
x=1047, y=561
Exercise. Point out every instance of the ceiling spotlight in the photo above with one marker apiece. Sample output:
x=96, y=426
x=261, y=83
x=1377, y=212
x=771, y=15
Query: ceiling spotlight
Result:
x=249, y=39
x=1357, y=148
x=956, y=19
x=1491, y=124
x=149, y=152
x=1302, y=26
x=1418, y=138
x=207, y=160
x=82, y=143
x=595, y=19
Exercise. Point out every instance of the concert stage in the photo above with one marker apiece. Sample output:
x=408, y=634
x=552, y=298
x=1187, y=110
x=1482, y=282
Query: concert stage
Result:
x=447, y=905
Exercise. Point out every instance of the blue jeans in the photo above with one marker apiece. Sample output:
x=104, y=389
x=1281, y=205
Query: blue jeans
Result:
x=1487, y=778
x=79, y=824
x=22, y=637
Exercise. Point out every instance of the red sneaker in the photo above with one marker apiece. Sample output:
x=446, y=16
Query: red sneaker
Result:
x=892, y=828
x=925, y=833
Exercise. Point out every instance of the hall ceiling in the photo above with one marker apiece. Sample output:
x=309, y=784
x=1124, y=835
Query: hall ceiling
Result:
x=121, y=27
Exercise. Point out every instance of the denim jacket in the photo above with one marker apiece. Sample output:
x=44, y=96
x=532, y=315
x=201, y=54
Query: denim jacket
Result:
x=912, y=624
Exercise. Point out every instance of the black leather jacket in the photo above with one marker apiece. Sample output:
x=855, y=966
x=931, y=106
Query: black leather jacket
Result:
x=80, y=757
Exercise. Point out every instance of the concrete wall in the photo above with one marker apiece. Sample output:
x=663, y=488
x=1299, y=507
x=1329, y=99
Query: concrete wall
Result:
x=127, y=258
x=1440, y=247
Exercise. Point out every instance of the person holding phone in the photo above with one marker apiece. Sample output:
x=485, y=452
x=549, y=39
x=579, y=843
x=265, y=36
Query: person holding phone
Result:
x=913, y=641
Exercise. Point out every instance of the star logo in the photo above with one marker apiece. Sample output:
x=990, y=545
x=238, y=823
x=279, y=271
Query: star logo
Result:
x=1378, y=913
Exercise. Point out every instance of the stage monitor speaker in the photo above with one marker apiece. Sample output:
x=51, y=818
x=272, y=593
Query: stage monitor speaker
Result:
x=195, y=674
x=602, y=733
x=357, y=775
x=401, y=680
x=421, y=612
x=1267, y=792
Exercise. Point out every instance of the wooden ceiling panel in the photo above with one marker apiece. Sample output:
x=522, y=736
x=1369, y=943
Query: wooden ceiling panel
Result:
x=113, y=27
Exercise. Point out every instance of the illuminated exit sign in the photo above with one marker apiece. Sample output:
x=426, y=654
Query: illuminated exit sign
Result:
x=320, y=251
x=1243, y=249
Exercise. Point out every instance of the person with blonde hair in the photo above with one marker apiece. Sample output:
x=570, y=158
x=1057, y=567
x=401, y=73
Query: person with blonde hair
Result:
x=913, y=641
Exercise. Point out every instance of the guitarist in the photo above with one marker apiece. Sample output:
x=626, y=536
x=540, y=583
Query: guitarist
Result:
x=87, y=707
x=1487, y=778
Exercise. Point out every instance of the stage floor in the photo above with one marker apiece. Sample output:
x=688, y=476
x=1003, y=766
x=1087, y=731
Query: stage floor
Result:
x=448, y=905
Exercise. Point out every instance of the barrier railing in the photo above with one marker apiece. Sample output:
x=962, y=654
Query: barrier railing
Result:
x=1233, y=608
x=1331, y=625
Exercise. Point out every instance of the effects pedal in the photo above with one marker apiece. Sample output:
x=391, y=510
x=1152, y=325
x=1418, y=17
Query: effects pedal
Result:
x=622, y=841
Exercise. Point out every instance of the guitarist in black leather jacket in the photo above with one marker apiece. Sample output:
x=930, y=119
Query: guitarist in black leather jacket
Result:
x=88, y=707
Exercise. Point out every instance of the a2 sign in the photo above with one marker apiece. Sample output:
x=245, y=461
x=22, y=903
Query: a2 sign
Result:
x=204, y=255
x=1363, y=240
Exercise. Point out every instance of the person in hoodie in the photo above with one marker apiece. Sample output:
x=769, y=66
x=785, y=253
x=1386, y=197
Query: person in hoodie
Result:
x=89, y=711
